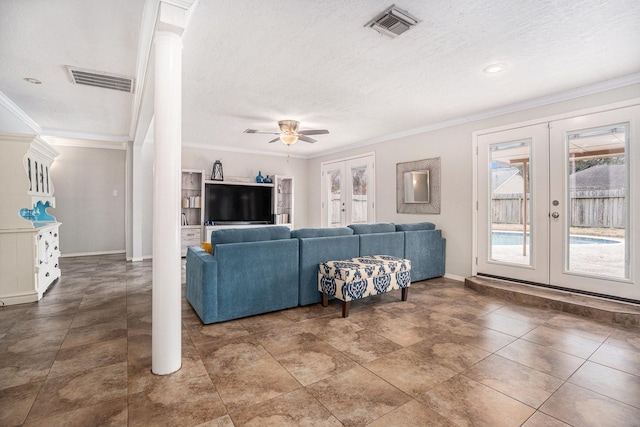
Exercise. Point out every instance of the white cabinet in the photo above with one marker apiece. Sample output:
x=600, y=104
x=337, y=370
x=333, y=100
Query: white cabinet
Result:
x=192, y=193
x=29, y=236
x=190, y=236
x=29, y=263
x=47, y=256
x=283, y=200
x=24, y=172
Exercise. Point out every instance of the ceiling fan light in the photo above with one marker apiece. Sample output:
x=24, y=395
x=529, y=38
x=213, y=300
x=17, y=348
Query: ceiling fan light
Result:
x=288, y=139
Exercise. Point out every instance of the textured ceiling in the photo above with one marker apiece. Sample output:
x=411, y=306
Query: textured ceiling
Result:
x=248, y=64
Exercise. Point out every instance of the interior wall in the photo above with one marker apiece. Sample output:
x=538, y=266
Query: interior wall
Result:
x=92, y=215
x=454, y=147
x=247, y=165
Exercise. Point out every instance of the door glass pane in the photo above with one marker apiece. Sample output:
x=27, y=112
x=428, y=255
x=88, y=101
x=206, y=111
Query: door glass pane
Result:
x=597, y=210
x=510, y=202
x=358, y=195
x=334, y=204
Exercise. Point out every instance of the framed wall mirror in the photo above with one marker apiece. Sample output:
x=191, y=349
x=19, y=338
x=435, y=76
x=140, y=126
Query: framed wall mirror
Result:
x=418, y=186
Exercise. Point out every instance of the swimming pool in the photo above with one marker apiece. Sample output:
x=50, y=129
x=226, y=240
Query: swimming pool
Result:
x=515, y=238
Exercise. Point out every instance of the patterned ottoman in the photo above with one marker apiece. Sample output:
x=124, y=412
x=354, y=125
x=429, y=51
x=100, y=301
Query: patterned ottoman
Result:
x=360, y=277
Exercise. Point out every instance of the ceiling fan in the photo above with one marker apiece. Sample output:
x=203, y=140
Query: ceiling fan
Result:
x=289, y=133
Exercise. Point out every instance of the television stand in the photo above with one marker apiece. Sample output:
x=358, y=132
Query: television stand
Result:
x=227, y=223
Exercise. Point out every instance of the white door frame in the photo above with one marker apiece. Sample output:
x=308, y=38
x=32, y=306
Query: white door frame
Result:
x=549, y=119
x=560, y=274
x=537, y=137
x=369, y=157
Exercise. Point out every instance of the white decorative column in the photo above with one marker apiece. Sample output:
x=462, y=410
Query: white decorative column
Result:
x=166, y=304
x=137, y=219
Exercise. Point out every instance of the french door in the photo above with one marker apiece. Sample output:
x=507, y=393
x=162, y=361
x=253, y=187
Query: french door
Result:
x=557, y=203
x=348, y=192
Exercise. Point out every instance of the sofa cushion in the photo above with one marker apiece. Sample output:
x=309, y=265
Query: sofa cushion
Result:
x=257, y=234
x=416, y=226
x=303, y=233
x=380, y=227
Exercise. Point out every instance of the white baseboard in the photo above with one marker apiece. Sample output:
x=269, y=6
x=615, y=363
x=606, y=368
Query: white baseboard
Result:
x=138, y=259
x=18, y=299
x=91, y=254
x=454, y=277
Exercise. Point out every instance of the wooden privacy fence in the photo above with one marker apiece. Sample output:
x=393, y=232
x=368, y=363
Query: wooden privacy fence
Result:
x=589, y=208
x=598, y=208
x=507, y=208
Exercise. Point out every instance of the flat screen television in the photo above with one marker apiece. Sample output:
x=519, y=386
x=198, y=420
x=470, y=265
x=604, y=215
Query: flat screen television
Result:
x=238, y=204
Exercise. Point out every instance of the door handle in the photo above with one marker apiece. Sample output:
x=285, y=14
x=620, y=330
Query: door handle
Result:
x=555, y=215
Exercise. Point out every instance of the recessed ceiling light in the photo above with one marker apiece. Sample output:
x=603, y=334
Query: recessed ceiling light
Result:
x=32, y=80
x=495, y=68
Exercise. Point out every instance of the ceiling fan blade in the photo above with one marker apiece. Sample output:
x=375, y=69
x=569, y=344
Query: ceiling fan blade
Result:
x=274, y=140
x=259, y=131
x=313, y=132
x=306, y=139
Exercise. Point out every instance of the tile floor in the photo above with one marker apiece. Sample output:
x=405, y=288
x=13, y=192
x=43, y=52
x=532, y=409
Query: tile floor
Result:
x=448, y=356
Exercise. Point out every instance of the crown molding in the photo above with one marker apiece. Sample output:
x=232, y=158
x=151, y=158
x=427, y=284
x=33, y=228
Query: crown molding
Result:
x=79, y=143
x=19, y=113
x=83, y=136
x=241, y=150
x=567, y=95
x=592, y=89
x=84, y=140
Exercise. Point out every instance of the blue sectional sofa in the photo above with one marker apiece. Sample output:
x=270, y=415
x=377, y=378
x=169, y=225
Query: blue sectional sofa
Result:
x=251, y=271
x=379, y=239
x=320, y=245
x=259, y=270
x=425, y=248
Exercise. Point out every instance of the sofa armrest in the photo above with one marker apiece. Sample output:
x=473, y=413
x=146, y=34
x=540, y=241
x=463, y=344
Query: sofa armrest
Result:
x=257, y=277
x=426, y=251
x=202, y=283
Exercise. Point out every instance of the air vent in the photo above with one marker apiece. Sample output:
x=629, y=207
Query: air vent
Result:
x=101, y=79
x=393, y=22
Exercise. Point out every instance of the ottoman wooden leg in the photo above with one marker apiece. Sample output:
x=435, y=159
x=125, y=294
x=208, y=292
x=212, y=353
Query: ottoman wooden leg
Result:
x=405, y=293
x=345, y=308
x=325, y=300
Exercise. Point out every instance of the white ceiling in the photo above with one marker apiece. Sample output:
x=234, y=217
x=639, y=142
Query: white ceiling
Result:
x=248, y=64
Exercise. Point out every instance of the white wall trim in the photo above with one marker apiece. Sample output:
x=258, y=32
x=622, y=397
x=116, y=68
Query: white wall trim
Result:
x=84, y=143
x=241, y=150
x=453, y=277
x=561, y=116
x=19, y=113
x=89, y=139
x=91, y=253
x=513, y=108
x=83, y=135
x=139, y=259
x=344, y=159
